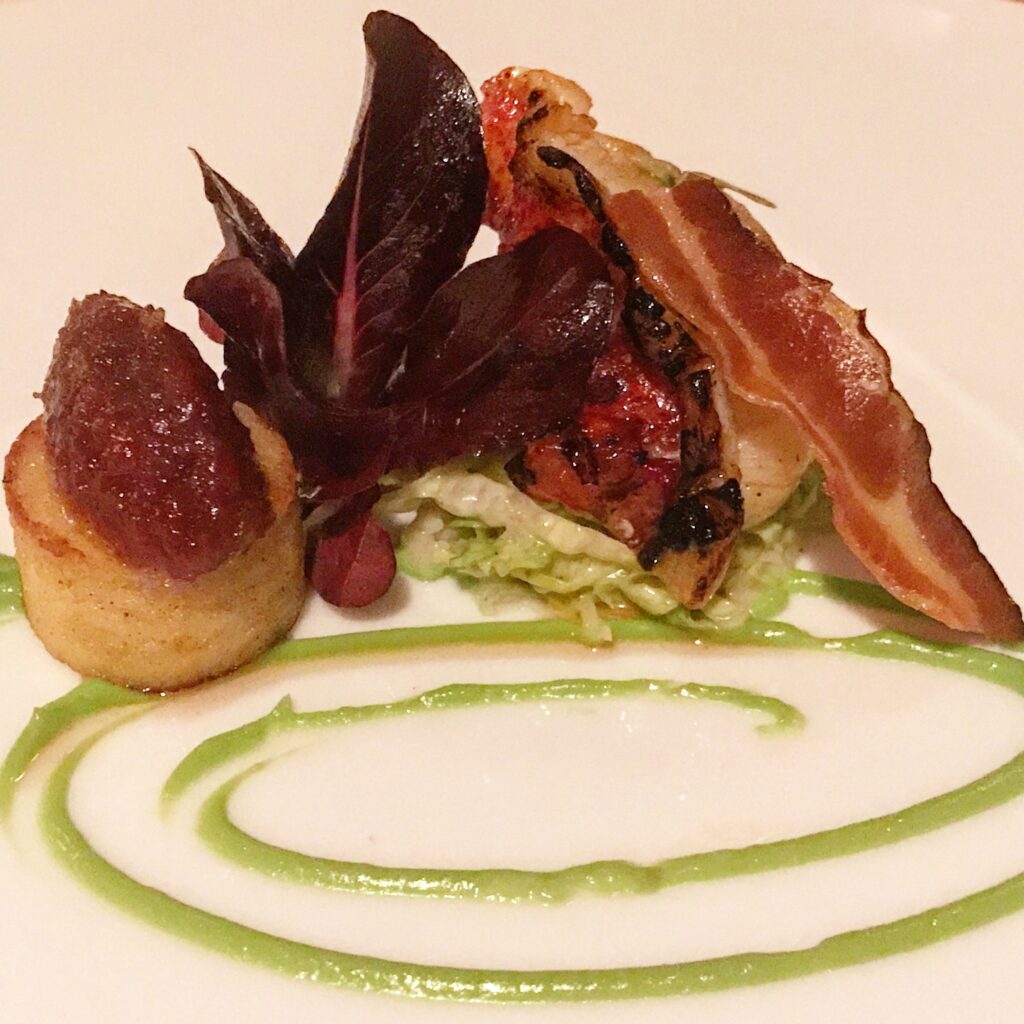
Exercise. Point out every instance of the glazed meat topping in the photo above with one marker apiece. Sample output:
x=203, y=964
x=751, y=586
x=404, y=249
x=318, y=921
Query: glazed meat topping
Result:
x=145, y=445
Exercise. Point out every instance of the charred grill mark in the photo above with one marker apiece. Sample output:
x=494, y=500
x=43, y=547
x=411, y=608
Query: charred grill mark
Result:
x=661, y=334
x=532, y=118
x=698, y=453
x=697, y=520
x=555, y=158
x=699, y=384
x=579, y=453
x=665, y=340
x=519, y=472
x=678, y=350
x=691, y=451
x=585, y=184
x=642, y=303
x=586, y=187
x=700, y=439
x=616, y=249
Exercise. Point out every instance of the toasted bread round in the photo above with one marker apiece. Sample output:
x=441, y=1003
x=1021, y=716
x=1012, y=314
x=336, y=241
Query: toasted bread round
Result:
x=134, y=626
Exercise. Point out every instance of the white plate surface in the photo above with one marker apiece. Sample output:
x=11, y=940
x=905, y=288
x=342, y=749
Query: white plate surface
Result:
x=890, y=136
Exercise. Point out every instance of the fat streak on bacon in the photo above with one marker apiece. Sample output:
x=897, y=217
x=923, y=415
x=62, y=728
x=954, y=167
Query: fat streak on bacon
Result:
x=779, y=338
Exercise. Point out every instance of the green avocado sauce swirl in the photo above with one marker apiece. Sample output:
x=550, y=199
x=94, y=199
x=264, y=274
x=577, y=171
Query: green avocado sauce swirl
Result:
x=365, y=973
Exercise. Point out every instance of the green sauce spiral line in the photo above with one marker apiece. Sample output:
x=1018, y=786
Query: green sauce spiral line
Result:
x=362, y=973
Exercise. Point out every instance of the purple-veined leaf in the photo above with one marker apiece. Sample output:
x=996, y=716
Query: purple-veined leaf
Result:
x=504, y=351
x=502, y=355
x=245, y=231
x=402, y=219
x=352, y=562
x=330, y=442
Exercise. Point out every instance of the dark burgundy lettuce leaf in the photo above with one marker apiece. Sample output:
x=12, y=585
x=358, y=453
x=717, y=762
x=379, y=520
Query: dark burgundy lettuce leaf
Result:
x=245, y=231
x=365, y=351
x=405, y=213
x=501, y=356
x=504, y=351
x=355, y=565
x=327, y=439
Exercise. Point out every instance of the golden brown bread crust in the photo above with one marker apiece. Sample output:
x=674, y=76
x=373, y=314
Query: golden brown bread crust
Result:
x=135, y=627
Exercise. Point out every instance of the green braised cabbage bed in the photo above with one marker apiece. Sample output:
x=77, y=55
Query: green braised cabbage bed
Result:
x=471, y=522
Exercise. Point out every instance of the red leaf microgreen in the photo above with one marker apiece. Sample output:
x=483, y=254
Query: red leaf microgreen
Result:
x=365, y=350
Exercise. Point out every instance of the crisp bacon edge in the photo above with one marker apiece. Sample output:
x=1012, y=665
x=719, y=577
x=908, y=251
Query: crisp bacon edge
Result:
x=786, y=341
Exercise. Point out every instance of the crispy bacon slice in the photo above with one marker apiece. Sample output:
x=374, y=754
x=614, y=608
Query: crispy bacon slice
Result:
x=785, y=340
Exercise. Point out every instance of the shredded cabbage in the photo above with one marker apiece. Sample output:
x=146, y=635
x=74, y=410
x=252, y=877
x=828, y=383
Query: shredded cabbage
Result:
x=470, y=520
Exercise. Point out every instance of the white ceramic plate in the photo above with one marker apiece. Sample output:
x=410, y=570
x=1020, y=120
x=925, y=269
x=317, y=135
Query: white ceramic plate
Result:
x=889, y=135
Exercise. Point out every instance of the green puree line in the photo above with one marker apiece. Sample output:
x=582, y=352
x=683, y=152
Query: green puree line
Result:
x=90, y=697
x=353, y=971
x=608, y=877
x=357, y=972
x=500, y=885
x=10, y=588
x=373, y=974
